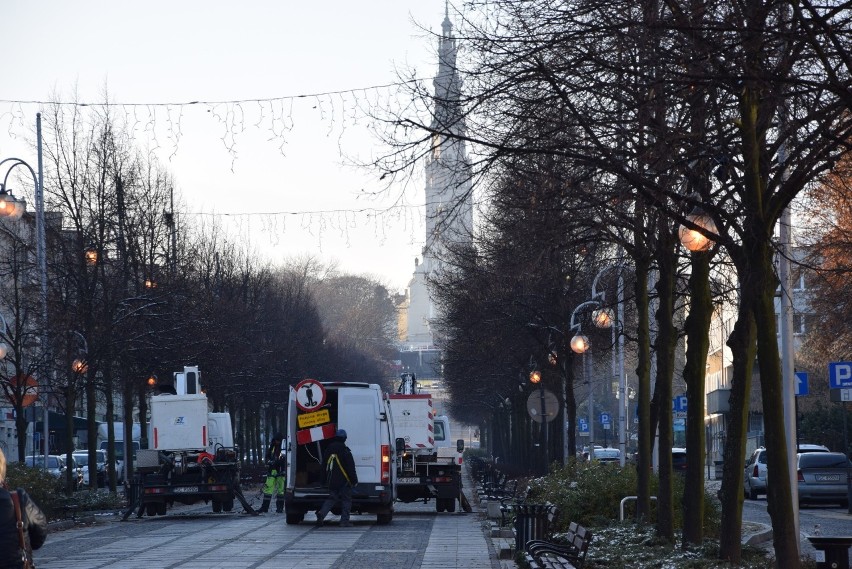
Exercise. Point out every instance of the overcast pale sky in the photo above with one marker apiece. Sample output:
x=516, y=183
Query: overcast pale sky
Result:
x=240, y=159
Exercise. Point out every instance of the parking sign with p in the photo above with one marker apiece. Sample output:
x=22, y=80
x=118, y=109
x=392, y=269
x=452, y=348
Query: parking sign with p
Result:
x=839, y=375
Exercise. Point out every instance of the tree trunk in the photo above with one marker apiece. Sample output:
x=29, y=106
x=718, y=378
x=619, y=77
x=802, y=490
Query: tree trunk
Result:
x=779, y=494
x=743, y=350
x=758, y=263
x=666, y=342
x=697, y=327
x=643, y=374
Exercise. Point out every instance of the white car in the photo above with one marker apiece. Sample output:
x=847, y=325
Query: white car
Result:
x=754, y=478
x=82, y=459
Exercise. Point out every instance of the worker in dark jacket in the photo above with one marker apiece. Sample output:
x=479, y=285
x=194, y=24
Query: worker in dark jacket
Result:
x=34, y=520
x=276, y=475
x=341, y=478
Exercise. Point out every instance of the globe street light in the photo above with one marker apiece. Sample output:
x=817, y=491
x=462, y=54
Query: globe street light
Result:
x=580, y=345
x=13, y=209
x=694, y=237
x=607, y=320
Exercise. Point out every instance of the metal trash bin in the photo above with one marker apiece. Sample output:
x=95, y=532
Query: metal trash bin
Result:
x=532, y=521
x=832, y=551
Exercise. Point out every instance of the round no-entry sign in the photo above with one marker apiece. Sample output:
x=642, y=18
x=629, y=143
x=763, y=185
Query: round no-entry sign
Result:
x=310, y=395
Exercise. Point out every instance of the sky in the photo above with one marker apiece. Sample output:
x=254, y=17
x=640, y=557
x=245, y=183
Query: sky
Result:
x=274, y=168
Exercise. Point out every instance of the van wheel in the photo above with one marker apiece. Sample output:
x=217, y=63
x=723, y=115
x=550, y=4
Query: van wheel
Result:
x=151, y=509
x=217, y=506
x=439, y=504
x=228, y=505
x=450, y=505
x=384, y=519
x=294, y=518
x=161, y=508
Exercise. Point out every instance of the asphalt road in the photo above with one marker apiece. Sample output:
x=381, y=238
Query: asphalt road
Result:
x=825, y=519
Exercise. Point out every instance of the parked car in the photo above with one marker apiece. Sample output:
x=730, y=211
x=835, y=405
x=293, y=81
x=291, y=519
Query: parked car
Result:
x=584, y=455
x=55, y=463
x=823, y=477
x=754, y=479
x=82, y=459
x=56, y=466
x=679, y=460
x=606, y=455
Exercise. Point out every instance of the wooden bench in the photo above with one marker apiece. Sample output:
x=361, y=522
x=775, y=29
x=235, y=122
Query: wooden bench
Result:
x=541, y=554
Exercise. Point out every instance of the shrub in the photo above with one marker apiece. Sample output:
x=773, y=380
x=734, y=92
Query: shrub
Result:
x=40, y=485
x=590, y=494
x=44, y=488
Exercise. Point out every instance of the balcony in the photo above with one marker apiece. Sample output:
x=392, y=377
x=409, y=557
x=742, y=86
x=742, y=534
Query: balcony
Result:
x=717, y=401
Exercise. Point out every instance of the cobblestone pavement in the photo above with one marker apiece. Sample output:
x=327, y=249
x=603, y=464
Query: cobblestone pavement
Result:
x=195, y=538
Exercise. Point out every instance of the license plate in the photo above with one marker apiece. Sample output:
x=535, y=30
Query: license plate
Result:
x=414, y=480
x=827, y=477
x=185, y=489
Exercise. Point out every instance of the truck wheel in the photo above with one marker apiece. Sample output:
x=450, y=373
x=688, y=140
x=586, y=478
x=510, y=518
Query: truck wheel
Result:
x=161, y=509
x=450, y=505
x=228, y=505
x=217, y=506
x=294, y=518
x=151, y=509
x=439, y=505
x=384, y=519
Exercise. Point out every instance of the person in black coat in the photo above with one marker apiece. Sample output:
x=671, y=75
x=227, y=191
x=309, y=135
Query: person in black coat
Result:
x=341, y=478
x=35, y=523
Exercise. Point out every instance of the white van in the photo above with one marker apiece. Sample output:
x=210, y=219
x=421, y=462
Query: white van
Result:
x=362, y=410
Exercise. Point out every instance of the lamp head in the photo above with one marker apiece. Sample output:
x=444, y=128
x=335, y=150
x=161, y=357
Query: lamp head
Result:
x=693, y=239
x=603, y=317
x=535, y=376
x=579, y=344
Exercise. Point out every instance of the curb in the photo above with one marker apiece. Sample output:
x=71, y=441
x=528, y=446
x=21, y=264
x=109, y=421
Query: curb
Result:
x=68, y=524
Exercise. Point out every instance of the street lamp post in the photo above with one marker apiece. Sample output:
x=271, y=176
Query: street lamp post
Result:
x=535, y=379
x=580, y=345
x=16, y=212
x=607, y=322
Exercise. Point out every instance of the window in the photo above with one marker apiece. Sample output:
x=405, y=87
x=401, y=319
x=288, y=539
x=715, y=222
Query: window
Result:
x=439, y=432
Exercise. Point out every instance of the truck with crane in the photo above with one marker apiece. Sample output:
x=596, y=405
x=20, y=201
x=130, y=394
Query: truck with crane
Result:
x=192, y=456
x=429, y=465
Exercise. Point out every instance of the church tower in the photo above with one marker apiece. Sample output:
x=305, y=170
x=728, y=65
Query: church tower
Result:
x=449, y=210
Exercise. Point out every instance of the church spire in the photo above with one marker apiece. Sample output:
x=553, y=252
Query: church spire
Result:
x=447, y=82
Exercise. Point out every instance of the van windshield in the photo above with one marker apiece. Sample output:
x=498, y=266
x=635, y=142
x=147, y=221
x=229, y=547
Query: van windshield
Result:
x=439, y=431
x=119, y=449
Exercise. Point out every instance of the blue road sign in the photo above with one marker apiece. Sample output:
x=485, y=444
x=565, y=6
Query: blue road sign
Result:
x=802, y=387
x=679, y=403
x=582, y=425
x=605, y=419
x=839, y=375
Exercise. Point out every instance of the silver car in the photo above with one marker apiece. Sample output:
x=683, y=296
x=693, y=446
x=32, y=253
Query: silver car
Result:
x=822, y=477
x=754, y=479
